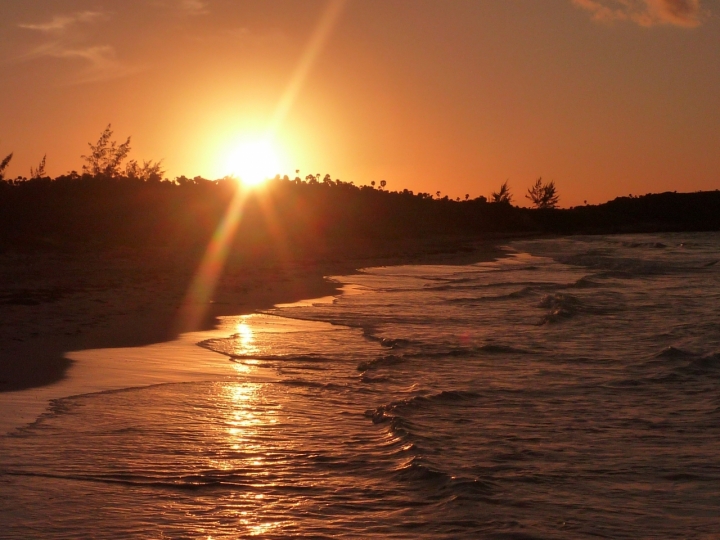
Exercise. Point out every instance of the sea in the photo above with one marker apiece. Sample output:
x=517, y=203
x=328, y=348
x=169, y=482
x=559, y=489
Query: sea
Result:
x=569, y=389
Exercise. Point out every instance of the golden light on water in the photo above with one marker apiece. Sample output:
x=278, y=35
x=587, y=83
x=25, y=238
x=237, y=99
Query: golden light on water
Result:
x=245, y=339
x=254, y=161
x=243, y=425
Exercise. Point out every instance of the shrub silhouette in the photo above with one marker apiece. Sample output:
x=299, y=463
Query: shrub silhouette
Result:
x=3, y=165
x=503, y=195
x=40, y=171
x=149, y=171
x=106, y=156
x=543, y=195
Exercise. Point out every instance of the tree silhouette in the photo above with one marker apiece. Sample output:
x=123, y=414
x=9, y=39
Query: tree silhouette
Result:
x=148, y=171
x=3, y=165
x=503, y=195
x=40, y=171
x=72, y=210
x=106, y=156
x=543, y=195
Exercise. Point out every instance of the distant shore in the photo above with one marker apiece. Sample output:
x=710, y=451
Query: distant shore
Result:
x=54, y=303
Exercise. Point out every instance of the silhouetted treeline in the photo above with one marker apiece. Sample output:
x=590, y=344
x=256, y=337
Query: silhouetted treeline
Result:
x=97, y=212
x=655, y=212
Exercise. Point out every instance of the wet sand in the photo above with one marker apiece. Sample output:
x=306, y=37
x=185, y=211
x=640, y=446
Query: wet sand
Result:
x=51, y=303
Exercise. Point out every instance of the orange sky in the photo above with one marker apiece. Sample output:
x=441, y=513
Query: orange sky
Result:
x=606, y=97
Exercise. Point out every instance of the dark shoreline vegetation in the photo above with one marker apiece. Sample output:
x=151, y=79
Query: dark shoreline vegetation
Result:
x=106, y=212
x=110, y=206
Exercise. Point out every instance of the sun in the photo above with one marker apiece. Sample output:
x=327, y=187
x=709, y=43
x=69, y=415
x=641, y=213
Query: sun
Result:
x=254, y=161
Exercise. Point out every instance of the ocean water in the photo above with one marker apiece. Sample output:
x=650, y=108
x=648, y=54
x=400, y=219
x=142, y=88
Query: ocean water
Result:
x=568, y=390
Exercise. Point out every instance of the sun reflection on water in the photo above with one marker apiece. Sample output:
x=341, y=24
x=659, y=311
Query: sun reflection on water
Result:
x=249, y=413
x=262, y=528
x=244, y=345
x=245, y=338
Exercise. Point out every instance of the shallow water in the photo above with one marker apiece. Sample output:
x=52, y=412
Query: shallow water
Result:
x=569, y=390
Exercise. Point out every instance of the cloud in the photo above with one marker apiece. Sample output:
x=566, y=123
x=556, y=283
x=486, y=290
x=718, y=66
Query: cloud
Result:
x=59, y=23
x=684, y=13
x=93, y=62
x=183, y=7
x=194, y=7
x=98, y=62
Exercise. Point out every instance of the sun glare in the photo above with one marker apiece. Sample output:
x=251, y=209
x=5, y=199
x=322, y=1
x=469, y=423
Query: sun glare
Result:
x=253, y=162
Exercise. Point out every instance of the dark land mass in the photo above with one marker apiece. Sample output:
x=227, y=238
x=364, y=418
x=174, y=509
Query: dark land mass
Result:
x=93, y=261
x=97, y=212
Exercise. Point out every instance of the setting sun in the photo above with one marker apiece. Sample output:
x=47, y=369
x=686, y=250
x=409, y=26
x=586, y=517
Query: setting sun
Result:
x=254, y=161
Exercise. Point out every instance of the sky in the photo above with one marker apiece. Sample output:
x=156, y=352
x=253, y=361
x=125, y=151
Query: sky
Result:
x=604, y=97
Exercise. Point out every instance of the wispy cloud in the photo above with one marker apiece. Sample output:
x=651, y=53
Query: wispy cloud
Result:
x=60, y=23
x=194, y=7
x=684, y=13
x=183, y=8
x=97, y=62
x=94, y=62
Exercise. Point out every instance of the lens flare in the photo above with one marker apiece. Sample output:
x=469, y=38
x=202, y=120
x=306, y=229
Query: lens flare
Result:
x=253, y=162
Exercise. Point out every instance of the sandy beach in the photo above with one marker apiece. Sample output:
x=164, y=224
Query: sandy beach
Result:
x=53, y=303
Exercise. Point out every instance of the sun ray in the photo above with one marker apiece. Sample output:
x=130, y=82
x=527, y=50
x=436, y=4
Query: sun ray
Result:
x=275, y=228
x=325, y=25
x=204, y=282
x=206, y=277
